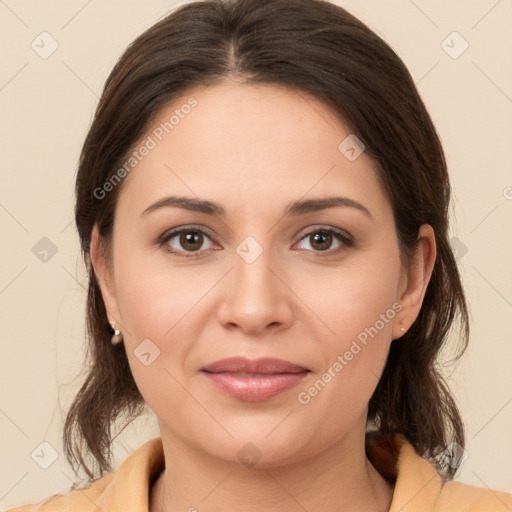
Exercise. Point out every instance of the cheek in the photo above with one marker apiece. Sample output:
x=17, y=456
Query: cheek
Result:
x=359, y=307
x=353, y=300
x=155, y=299
x=163, y=305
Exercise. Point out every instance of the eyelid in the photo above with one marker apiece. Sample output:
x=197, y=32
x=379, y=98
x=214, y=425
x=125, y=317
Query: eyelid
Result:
x=314, y=228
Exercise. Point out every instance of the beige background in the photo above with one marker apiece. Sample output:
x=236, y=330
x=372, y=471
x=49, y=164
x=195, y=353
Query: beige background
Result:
x=47, y=106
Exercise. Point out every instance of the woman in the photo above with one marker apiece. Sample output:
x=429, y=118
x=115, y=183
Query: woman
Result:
x=262, y=203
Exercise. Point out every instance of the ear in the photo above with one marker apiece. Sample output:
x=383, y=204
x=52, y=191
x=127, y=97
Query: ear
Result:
x=104, y=276
x=415, y=280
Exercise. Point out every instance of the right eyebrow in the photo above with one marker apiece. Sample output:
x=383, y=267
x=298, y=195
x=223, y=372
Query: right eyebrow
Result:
x=187, y=203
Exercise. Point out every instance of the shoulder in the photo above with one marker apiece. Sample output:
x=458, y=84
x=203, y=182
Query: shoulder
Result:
x=465, y=497
x=127, y=488
x=76, y=499
x=418, y=485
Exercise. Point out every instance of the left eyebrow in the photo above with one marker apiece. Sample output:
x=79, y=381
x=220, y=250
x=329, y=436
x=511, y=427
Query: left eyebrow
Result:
x=294, y=209
x=310, y=205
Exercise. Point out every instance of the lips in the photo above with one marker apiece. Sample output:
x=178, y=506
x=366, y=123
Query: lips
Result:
x=261, y=365
x=254, y=380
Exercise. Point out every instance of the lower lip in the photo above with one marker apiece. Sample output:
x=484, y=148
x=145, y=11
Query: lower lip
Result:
x=255, y=387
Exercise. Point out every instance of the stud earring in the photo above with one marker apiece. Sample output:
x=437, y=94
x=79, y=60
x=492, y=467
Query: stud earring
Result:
x=117, y=336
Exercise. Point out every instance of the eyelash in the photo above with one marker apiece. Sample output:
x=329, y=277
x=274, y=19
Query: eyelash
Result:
x=347, y=242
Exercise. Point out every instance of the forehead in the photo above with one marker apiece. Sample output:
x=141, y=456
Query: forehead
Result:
x=248, y=144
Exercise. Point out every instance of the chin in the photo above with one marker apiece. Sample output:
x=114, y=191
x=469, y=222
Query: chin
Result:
x=263, y=441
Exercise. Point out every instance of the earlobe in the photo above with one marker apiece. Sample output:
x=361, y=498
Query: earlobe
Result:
x=417, y=278
x=103, y=272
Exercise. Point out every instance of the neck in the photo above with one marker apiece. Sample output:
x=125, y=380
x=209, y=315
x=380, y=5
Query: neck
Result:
x=339, y=478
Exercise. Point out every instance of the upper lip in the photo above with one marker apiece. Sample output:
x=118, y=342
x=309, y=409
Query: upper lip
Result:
x=260, y=365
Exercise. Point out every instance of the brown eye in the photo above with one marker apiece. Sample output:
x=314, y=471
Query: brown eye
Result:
x=191, y=241
x=185, y=241
x=321, y=240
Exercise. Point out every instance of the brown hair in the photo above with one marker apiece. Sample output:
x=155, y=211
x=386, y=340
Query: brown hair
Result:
x=313, y=47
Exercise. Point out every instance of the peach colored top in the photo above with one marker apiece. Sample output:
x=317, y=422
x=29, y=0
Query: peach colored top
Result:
x=417, y=484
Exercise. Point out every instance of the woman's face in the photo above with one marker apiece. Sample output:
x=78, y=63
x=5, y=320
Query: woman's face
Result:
x=256, y=280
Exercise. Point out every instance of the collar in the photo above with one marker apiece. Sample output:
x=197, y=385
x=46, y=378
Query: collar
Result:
x=418, y=486
x=417, y=482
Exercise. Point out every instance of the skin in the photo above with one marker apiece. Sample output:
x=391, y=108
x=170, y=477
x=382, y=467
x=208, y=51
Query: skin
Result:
x=253, y=149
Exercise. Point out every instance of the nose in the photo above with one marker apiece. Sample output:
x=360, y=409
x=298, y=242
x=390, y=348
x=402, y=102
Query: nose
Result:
x=256, y=297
